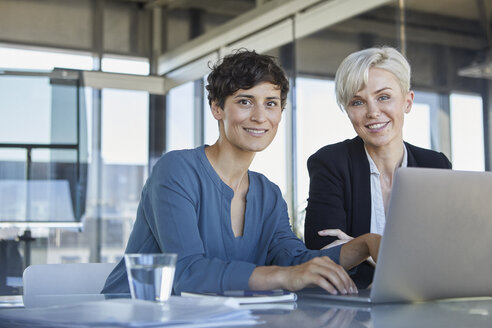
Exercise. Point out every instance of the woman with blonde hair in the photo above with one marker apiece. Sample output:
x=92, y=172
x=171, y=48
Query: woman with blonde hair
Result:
x=350, y=181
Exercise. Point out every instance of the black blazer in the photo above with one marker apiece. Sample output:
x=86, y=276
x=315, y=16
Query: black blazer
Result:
x=340, y=188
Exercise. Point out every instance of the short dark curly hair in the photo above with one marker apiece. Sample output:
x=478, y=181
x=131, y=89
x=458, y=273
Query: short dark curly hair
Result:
x=243, y=70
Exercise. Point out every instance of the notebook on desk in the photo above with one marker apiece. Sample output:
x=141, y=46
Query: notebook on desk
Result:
x=436, y=241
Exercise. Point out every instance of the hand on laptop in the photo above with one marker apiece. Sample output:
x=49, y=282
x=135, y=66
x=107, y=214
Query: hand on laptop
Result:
x=319, y=271
x=342, y=237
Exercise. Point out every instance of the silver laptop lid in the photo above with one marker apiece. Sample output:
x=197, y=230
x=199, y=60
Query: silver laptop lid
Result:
x=437, y=241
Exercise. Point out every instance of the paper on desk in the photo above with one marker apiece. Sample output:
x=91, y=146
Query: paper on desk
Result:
x=184, y=312
x=249, y=297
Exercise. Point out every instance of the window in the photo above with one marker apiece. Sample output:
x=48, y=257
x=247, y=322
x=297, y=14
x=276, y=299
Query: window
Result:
x=37, y=111
x=180, y=117
x=319, y=122
x=16, y=107
x=416, y=129
x=124, y=134
x=467, y=143
x=15, y=58
x=124, y=152
x=127, y=66
x=125, y=120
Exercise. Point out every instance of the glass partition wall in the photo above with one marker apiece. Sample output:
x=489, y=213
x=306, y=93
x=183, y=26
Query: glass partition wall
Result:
x=112, y=149
x=43, y=163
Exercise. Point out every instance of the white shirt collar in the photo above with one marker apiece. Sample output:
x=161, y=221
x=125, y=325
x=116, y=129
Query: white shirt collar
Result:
x=374, y=169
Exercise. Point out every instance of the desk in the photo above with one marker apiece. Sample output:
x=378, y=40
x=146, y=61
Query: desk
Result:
x=310, y=312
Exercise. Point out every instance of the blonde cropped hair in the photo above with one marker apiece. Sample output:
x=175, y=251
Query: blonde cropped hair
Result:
x=353, y=73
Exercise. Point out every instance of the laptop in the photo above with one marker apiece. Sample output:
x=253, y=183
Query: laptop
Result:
x=437, y=241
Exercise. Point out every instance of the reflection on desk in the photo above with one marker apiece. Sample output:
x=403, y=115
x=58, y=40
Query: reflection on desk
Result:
x=60, y=299
x=312, y=312
x=177, y=310
x=10, y=301
x=473, y=312
x=470, y=313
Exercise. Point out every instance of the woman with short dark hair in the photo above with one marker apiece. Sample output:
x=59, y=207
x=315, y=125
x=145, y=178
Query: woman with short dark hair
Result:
x=228, y=225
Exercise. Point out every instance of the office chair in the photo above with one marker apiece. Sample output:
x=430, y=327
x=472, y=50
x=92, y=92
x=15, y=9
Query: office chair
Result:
x=74, y=279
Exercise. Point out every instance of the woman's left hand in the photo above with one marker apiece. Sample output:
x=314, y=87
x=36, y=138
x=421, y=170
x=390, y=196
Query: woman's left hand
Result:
x=342, y=237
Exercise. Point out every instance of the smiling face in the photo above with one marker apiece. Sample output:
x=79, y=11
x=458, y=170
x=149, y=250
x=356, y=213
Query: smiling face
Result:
x=377, y=110
x=250, y=118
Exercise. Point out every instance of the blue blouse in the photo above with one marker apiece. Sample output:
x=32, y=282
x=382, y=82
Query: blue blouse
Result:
x=185, y=208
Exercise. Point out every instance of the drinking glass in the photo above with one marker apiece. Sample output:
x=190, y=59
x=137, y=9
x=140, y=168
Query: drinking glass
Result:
x=150, y=275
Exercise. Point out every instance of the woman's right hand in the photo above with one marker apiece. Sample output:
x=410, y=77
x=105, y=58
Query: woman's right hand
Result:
x=319, y=271
x=342, y=237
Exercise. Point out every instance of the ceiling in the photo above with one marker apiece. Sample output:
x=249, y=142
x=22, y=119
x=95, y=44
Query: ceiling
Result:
x=466, y=9
x=221, y=7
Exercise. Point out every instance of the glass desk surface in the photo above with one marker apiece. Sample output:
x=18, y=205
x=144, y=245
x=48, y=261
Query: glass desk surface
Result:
x=310, y=312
